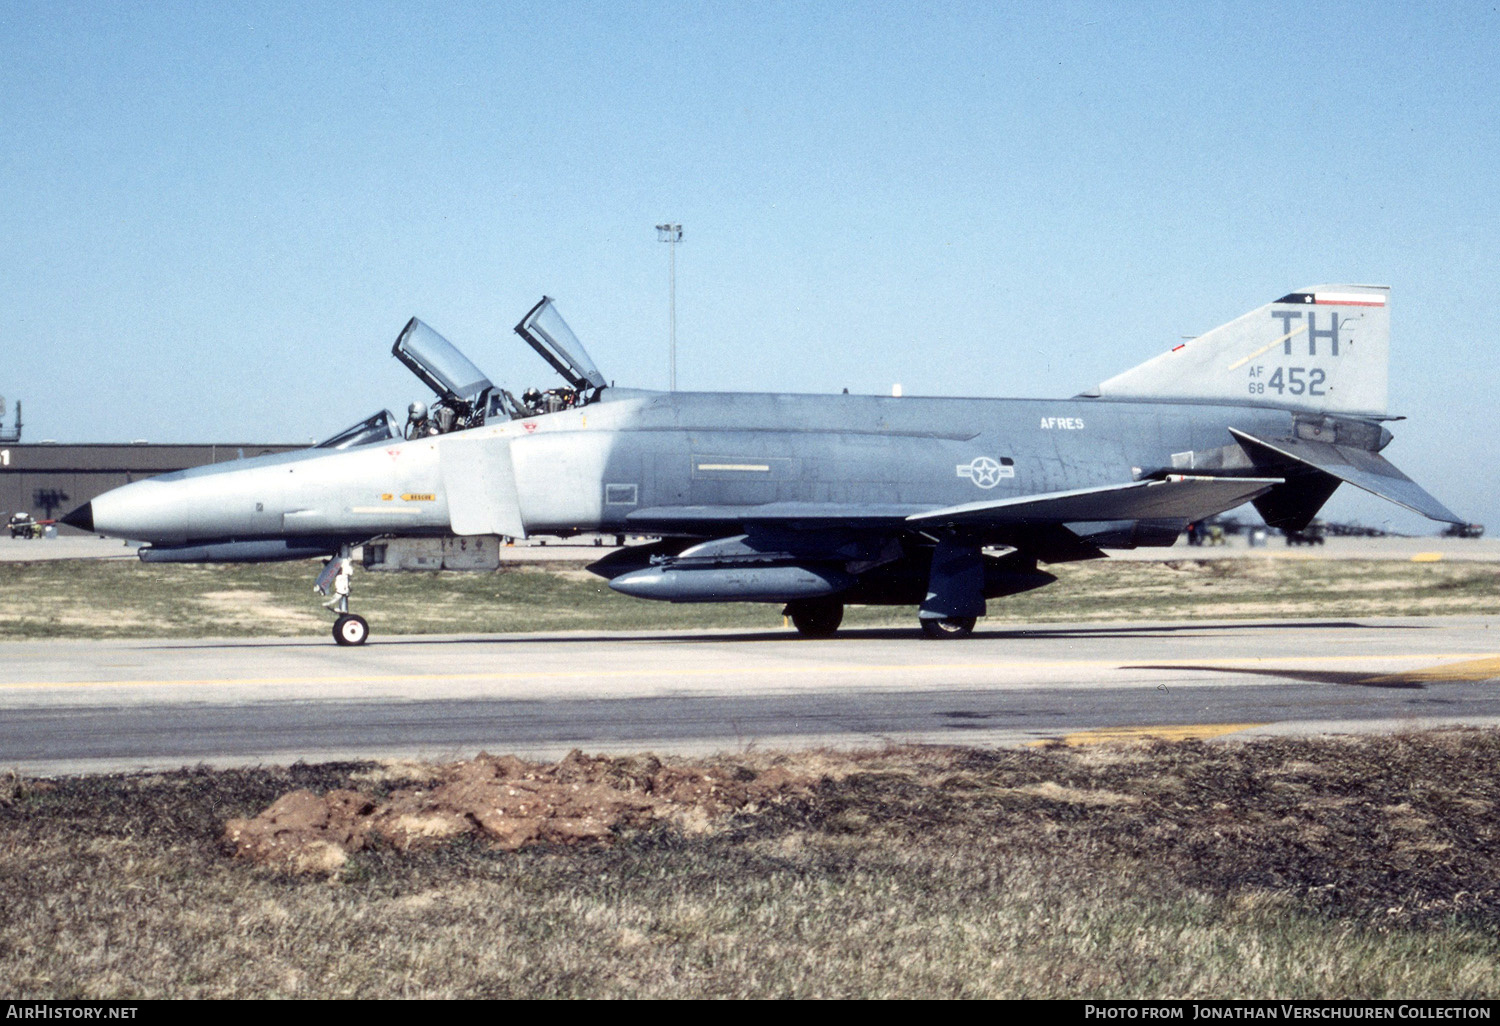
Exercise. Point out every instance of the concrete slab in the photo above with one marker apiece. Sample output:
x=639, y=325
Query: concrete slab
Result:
x=71, y=706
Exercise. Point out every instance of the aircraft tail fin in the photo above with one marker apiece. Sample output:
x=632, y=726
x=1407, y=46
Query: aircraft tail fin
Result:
x=1321, y=349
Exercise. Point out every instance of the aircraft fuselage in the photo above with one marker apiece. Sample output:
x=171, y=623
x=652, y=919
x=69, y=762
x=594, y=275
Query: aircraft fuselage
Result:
x=589, y=469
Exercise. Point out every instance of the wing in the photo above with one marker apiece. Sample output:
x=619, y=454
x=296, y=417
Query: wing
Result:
x=1176, y=498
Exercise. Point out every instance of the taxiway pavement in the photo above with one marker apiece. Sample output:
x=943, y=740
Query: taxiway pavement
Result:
x=76, y=706
x=588, y=548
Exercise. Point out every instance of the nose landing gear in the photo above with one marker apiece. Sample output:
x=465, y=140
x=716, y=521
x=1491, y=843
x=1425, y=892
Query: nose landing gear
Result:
x=349, y=628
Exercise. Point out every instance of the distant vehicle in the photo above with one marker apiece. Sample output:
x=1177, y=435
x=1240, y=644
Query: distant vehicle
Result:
x=1232, y=526
x=1464, y=531
x=1311, y=534
x=816, y=501
x=23, y=526
x=1214, y=531
x=1353, y=531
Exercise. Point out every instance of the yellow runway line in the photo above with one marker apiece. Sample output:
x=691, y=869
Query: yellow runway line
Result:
x=1474, y=670
x=1180, y=732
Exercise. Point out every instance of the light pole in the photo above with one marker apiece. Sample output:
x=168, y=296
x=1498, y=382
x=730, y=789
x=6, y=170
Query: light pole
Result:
x=671, y=234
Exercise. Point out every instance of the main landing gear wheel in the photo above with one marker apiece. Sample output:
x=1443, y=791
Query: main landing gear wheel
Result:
x=816, y=618
x=350, y=630
x=951, y=627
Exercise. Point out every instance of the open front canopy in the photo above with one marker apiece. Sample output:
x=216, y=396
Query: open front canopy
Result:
x=546, y=332
x=438, y=363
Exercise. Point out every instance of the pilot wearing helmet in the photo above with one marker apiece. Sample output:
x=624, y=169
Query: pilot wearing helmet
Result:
x=418, y=424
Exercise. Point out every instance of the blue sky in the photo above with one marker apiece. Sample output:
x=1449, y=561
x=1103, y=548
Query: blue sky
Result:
x=217, y=217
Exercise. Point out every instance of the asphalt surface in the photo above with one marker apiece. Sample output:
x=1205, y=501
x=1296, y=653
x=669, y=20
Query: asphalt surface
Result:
x=77, y=706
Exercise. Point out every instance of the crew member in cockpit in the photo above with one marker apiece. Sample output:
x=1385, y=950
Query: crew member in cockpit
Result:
x=444, y=419
x=418, y=424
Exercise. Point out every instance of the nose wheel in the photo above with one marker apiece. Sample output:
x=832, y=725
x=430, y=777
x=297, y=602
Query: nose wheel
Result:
x=350, y=629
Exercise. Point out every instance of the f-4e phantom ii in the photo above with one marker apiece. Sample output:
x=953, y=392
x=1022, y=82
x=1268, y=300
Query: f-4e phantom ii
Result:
x=817, y=501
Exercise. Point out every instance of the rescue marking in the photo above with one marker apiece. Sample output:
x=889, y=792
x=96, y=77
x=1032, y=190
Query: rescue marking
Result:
x=418, y=497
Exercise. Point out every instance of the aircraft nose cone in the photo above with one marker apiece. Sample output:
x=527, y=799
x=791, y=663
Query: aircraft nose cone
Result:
x=81, y=518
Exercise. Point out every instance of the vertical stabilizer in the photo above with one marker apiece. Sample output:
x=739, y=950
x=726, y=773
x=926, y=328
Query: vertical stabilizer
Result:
x=1321, y=349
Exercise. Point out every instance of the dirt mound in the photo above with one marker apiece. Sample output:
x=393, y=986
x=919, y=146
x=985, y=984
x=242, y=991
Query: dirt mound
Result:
x=510, y=803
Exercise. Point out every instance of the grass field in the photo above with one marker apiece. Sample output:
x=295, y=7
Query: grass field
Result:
x=126, y=599
x=1360, y=867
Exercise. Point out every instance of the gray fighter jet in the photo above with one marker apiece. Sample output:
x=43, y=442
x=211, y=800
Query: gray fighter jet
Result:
x=817, y=501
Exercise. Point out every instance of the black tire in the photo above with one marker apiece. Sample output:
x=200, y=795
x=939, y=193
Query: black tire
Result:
x=952, y=627
x=350, y=630
x=816, y=618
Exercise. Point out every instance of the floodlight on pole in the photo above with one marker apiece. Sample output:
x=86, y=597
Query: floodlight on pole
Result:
x=671, y=234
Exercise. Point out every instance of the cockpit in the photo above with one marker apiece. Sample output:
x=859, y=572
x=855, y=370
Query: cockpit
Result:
x=465, y=397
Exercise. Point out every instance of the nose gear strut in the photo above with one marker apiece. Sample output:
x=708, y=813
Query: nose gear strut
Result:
x=338, y=572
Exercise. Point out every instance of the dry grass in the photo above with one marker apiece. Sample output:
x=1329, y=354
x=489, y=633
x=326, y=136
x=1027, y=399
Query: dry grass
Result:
x=1360, y=867
x=122, y=599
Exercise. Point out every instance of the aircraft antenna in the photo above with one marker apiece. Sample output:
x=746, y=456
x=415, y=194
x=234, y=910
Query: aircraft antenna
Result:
x=671, y=234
